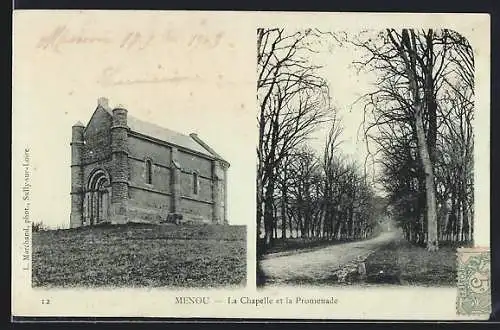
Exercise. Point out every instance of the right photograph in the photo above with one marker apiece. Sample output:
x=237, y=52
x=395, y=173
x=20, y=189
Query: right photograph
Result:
x=365, y=172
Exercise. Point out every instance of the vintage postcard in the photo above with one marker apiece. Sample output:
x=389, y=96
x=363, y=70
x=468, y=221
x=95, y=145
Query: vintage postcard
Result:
x=251, y=165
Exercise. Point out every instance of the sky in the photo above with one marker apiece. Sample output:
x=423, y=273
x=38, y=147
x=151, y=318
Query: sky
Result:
x=201, y=81
x=189, y=82
x=347, y=85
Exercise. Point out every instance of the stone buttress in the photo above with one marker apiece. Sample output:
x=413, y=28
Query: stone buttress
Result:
x=119, y=170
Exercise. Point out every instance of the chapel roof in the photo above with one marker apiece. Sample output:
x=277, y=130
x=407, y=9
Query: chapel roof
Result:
x=191, y=142
x=165, y=134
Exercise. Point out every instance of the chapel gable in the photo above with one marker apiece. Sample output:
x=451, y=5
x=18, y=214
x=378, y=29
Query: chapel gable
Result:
x=97, y=136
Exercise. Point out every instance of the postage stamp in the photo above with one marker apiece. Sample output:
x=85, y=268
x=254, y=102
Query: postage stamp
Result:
x=473, y=281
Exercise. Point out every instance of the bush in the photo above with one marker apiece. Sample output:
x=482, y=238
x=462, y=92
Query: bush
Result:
x=37, y=226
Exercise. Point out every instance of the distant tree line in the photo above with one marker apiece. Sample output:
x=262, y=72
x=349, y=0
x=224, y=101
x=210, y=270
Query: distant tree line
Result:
x=324, y=197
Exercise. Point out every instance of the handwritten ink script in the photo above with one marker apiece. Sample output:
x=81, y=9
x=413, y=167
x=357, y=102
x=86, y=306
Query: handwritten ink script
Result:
x=116, y=76
x=63, y=36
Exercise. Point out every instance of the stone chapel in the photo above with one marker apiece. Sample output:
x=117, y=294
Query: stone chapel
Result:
x=127, y=170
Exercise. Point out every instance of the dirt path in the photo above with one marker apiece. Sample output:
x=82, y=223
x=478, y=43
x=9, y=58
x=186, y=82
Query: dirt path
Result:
x=319, y=265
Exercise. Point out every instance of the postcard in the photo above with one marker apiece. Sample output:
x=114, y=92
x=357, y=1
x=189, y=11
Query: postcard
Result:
x=270, y=165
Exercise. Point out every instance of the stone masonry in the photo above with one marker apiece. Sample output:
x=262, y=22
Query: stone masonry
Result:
x=126, y=170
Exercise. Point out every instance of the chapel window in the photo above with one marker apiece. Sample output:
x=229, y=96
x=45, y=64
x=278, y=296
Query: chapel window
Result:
x=195, y=183
x=149, y=171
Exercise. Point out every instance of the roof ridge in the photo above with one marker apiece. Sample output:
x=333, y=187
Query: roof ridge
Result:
x=151, y=129
x=195, y=137
x=167, y=135
x=159, y=126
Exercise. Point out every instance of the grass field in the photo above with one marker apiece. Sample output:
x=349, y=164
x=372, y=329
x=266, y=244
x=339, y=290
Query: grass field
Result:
x=400, y=262
x=140, y=255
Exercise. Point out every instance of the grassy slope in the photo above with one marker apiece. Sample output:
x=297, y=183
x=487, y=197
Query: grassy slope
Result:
x=404, y=263
x=141, y=255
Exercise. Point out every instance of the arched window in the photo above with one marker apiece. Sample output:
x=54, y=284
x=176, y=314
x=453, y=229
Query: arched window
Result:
x=149, y=171
x=195, y=183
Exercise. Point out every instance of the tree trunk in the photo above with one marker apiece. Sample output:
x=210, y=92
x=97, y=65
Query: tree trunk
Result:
x=283, y=212
x=268, y=211
x=290, y=224
x=275, y=221
x=469, y=232
x=460, y=220
x=421, y=229
x=432, y=240
x=339, y=234
x=259, y=206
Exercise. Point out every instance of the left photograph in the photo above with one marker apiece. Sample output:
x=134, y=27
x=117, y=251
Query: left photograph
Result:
x=136, y=160
x=148, y=208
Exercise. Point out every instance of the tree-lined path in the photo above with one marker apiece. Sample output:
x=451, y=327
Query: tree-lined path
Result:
x=411, y=97
x=411, y=158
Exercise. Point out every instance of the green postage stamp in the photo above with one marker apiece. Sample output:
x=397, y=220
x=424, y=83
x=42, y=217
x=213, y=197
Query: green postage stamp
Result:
x=473, y=275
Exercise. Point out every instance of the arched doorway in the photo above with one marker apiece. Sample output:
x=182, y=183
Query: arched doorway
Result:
x=97, y=198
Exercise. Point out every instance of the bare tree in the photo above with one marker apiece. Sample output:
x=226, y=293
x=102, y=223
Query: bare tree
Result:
x=333, y=171
x=412, y=66
x=423, y=75
x=293, y=99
